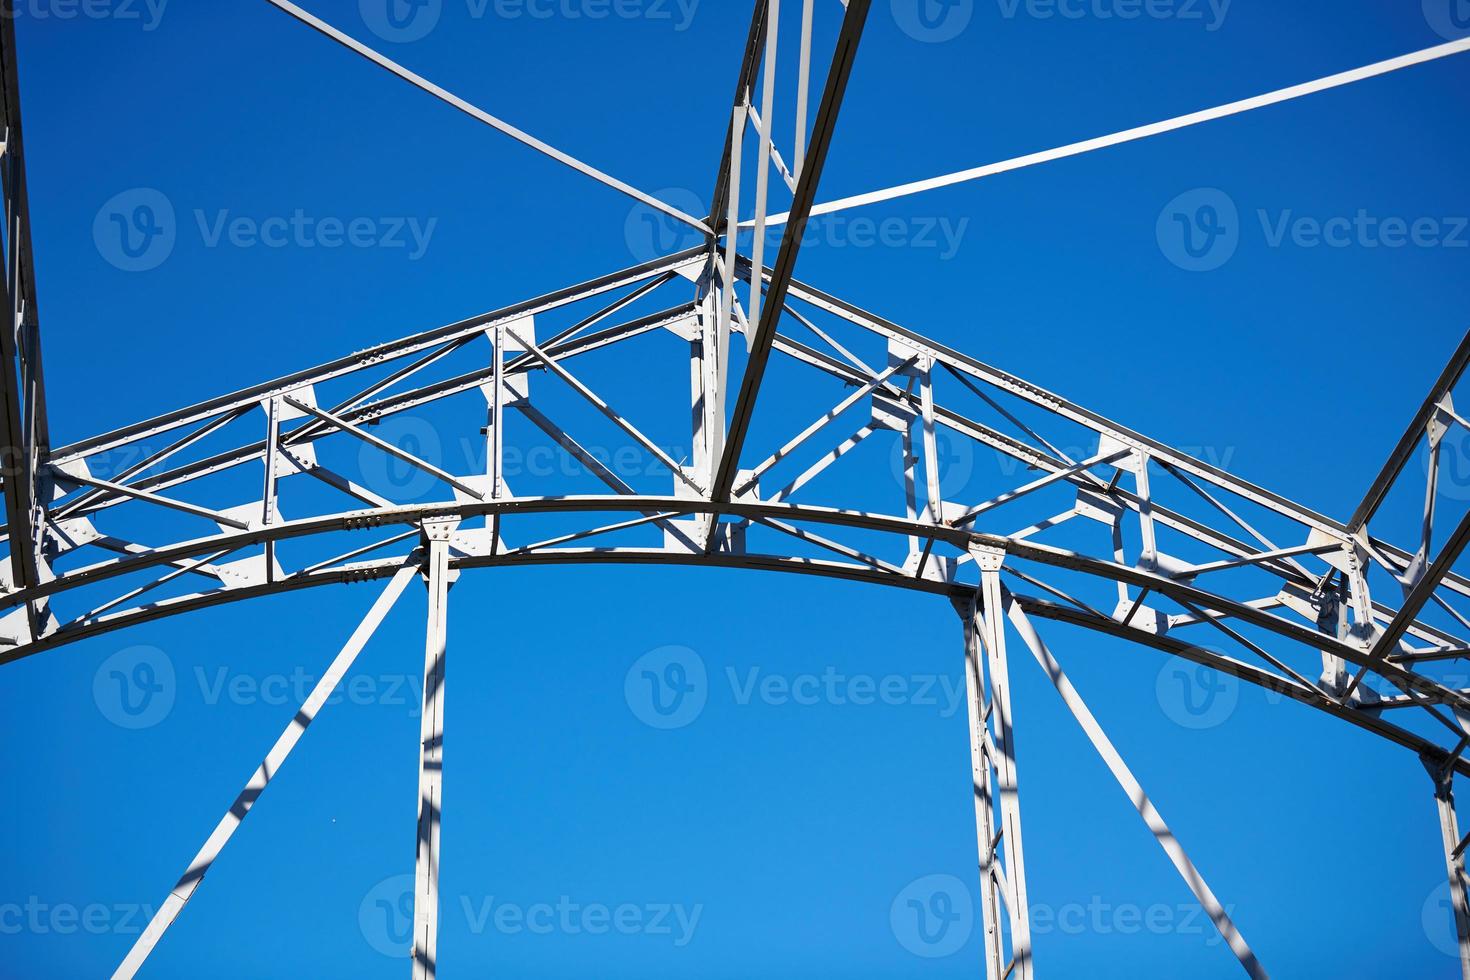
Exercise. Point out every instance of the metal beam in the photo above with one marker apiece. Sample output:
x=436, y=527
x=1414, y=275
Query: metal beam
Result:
x=386, y=446
x=379, y=353
x=431, y=753
x=1414, y=602
x=806, y=190
x=1454, y=857
x=993, y=636
x=1410, y=439
x=18, y=198
x=261, y=778
x=23, y=426
x=750, y=61
x=1134, y=790
x=610, y=413
x=474, y=112
x=1152, y=129
x=763, y=154
x=993, y=946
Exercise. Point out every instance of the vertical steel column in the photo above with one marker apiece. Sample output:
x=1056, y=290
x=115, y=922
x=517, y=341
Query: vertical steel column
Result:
x=268, y=494
x=23, y=426
x=803, y=87
x=989, y=623
x=934, y=505
x=495, y=445
x=1331, y=606
x=980, y=765
x=763, y=160
x=1454, y=856
x=431, y=752
x=704, y=389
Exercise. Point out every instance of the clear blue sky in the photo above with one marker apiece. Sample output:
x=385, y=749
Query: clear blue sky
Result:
x=788, y=830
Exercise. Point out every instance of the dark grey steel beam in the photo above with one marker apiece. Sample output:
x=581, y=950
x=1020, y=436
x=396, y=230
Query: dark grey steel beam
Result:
x=23, y=426
x=755, y=44
x=801, y=206
x=1410, y=439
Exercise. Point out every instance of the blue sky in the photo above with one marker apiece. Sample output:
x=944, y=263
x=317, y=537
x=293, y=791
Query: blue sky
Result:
x=766, y=837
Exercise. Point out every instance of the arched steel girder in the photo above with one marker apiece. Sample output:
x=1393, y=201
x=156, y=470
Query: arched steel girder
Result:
x=699, y=265
x=415, y=516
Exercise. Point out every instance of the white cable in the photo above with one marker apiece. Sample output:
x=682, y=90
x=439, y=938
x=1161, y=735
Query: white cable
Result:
x=1140, y=132
x=483, y=116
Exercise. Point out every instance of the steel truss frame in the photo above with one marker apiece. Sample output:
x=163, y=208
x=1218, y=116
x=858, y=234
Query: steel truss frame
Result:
x=1145, y=543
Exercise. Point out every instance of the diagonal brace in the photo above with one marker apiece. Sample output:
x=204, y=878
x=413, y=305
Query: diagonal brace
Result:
x=262, y=776
x=1133, y=788
x=474, y=112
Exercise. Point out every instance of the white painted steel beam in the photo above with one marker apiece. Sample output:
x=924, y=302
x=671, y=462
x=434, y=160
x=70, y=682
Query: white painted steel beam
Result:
x=261, y=778
x=425, y=949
